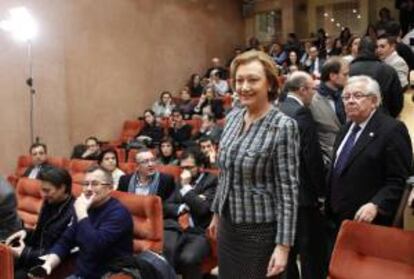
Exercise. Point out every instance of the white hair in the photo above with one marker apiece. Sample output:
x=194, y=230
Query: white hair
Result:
x=368, y=84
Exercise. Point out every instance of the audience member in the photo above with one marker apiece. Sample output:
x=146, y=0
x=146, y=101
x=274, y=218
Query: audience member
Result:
x=54, y=217
x=368, y=64
x=207, y=104
x=219, y=85
x=309, y=241
x=292, y=60
x=387, y=53
x=102, y=229
x=185, y=103
x=345, y=36
x=9, y=221
x=164, y=106
x=305, y=58
x=327, y=107
x=258, y=162
x=315, y=63
x=278, y=54
x=372, y=159
x=186, y=249
x=216, y=65
x=320, y=42
x=179, y=131
x=210, y=128
x=146, y=180
x=196, y=88
x=371, y=32
x=403, y=50
x=406, y=8
x=166, y=152
x=352, y=48
x=237, y=51
x=38, y=153
x=93, y=149
x=293, y=44
x=208, y=151
x=384, y=20
x=109, y=161
x=151, y=133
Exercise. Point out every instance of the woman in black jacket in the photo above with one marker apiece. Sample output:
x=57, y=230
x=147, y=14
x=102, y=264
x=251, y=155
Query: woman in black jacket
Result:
x=56, y=212
x=152, y=133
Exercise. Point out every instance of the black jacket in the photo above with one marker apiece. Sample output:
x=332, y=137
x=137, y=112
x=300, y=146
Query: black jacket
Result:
x=53, y=220
x=165, y=189
x=376, y=170
x=43, y=167
x=198, y=200
x=311, y=168
x=386, y=76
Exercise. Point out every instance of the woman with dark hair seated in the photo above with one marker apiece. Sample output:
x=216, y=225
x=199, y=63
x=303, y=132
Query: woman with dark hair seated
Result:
x=152, y=133
x=195, y=86
x=166, y=152
x=186, y=103
x=164, y=106
x=209, y=105
x=109, y=161
x=56, y=212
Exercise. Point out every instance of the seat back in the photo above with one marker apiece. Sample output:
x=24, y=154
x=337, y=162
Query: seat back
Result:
x=147, y=216
x=78, y=165
x=128, y=167
x=59, y=162
x=172, y=170
x=6, y=263
x=23, y=162
x=29, y=201
x=368, y=251
x=130, y=129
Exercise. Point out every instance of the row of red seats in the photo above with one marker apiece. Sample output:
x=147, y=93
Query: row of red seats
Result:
x=131, y=128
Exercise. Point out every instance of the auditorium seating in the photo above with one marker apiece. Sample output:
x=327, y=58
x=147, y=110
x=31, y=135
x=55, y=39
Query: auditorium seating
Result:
x=29, y=201
x=79, y=165
x=172, y=170
x=6, y=263
x=128, y=167
x=368, y=251
x=130, y=129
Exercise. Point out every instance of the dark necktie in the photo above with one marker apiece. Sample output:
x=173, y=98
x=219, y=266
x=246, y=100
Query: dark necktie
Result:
x=346, y=150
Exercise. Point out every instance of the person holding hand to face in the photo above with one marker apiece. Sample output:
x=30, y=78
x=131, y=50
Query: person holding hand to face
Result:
x=185, y=249
x=102, y=228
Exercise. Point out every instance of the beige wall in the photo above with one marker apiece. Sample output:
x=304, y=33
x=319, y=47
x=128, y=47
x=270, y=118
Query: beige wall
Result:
x=97, y=63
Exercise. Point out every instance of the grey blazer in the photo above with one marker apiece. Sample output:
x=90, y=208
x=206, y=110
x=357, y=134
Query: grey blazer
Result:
x=259, y=174
x=328, y=124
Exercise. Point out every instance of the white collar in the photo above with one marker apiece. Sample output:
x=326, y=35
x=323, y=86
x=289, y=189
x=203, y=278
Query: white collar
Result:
x=296, y=98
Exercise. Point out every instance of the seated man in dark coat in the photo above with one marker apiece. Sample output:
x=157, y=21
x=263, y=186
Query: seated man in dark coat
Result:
x=146, y=180
x=38, y=152
x=102, y=228
x=55, y=215
x=186, y=249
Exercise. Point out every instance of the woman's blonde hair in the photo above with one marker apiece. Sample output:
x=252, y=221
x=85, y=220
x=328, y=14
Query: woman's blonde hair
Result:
x=268, y=65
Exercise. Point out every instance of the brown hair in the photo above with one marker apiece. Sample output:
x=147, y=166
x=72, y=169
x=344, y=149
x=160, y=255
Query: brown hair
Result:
x=268, y=65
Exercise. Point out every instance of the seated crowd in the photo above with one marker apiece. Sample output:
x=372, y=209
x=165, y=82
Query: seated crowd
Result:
x=184, y=132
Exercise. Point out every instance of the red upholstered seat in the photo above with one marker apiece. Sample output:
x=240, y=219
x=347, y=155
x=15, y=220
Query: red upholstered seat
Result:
x=130, y=129
x=128, y=167
x=78, y=165
x=29, y=201
x=6, y=263
x=364, y=251
x=172, y=170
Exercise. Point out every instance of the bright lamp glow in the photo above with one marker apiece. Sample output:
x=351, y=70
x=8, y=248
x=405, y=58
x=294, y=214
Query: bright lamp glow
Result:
x=20, y=24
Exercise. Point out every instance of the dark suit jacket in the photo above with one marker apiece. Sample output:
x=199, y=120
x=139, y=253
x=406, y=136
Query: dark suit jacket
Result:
x=376, y=170
x=199, y=201
x=44, y=166
x=311, y=169
x=9, y=221
x=165, y=189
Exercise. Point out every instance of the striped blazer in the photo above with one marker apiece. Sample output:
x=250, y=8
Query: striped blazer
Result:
x=259, y=172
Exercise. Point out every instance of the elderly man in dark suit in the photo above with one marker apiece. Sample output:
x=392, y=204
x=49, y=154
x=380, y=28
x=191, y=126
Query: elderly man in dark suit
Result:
x=372, y=158
x=300, y=88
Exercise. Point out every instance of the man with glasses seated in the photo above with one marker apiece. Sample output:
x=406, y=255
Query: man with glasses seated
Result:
x=146, y=180
x=372, y=159
x=185, y=249
x=102, y=229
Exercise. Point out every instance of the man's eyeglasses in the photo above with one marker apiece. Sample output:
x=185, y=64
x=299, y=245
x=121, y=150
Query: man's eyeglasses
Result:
x=147, y=161
x=356, y=96
x=94, y=183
